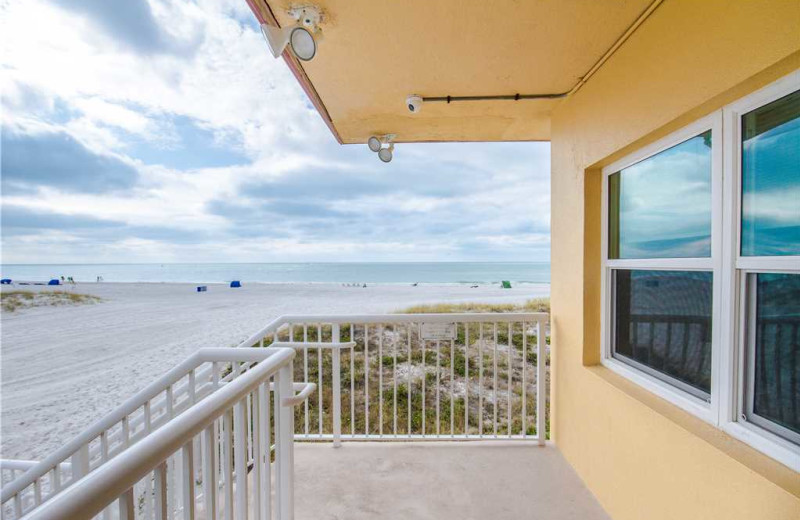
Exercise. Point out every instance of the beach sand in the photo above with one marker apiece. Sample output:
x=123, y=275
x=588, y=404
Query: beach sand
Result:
x=62, y=368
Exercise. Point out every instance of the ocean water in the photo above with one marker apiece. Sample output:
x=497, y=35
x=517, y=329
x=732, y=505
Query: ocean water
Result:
x=378, y=272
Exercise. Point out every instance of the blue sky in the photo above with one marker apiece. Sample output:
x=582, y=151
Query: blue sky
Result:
x=163, y=131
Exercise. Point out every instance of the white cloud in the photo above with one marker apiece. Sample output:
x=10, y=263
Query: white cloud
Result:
x=223, y=94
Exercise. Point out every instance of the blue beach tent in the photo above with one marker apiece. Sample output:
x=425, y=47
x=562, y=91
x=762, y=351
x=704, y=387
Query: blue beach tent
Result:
x=5, y=281
x=54, y=281
x=236, y=283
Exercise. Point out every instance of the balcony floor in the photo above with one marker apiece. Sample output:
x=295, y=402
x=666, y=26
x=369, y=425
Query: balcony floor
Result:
x=438, y=480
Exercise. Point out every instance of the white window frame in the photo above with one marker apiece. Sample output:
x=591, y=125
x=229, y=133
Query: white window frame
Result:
x=734, y=384
x=726, y=408
x=706, y=410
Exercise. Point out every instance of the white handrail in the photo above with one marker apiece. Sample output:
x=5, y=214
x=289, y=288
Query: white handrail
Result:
x=306, y=390
x=44, y=476
x=209, y=379
x=92, y=432
x=94, y=492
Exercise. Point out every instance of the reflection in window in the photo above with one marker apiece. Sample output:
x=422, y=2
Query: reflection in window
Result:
x=662, y=324
x=776, y=357
x=771, y=179
x=661, y=207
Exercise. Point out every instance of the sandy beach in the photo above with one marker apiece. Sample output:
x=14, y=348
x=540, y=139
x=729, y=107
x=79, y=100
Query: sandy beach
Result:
x=64, y=367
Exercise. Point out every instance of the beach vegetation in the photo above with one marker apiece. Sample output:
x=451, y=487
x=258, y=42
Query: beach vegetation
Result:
x=12, y=301
x=532, y=305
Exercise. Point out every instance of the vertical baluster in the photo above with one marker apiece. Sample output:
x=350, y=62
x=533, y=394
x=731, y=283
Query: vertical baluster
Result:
x=240, y=458
x=305, y=373
x=285, y=449
x=37, y=492
x=319, y=379
x=424, y=378
x=148, y=418
x=438, y=386
x=541, y=385
x=380, y=380
x=494, y=379
x=336, y=376
x=480, y=379
x=408, y=383
x=176, y=481
x=215, y=374
x=209, y=447
x=192, y=390
x=187, y=457
x=452, y=386
x=125, y=502
x=394, y=379
x=524, y=379
x=126, y=432
x=103, y=460
x=148, y=483
x=80, y=463
x=278, y=416
x=169, y=400
x=466, y=379
x=353, y=380
x=161, y=491
x=265, y=450
x=148, y=497
x=508, y=372
x=55, y=480
x=227, y=469
x=18, y=505
x=366, y=379
x=255, y=447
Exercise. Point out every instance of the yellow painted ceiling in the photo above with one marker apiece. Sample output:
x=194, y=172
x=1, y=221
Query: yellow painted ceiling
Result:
x=376, y=52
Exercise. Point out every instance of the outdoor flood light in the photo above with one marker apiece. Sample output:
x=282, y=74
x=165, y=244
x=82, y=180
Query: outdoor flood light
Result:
x=299, y=37
x=375, y=144
x=385, y=154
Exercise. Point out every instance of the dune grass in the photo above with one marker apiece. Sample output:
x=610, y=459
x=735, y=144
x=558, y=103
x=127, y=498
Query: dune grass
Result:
x=12, y=301
x=533, y=305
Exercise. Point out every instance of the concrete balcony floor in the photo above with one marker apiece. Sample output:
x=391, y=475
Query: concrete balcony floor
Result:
x=438, y=480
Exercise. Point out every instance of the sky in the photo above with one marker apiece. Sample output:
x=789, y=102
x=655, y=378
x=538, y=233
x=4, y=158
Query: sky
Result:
x=164, y=131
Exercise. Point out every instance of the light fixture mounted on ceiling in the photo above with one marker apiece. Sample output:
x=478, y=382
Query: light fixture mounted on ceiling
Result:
x=301, y=37
x=375, y=144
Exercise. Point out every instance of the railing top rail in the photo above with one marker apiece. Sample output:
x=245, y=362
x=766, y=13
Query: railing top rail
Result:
x=95, y=491
x=132, y=404
x=314, y=344
x=483, y=317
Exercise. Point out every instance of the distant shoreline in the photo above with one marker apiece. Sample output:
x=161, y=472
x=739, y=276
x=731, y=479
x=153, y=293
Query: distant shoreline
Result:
x=85, y=283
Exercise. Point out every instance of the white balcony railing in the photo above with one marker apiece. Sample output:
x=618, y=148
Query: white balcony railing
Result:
x=218, y=440
x=420, y=376
x=377, y=377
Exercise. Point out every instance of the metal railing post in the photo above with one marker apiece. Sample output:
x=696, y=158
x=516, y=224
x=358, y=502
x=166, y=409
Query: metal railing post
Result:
x=286, y=447
x=541, y=383
x=337, y=387
x=80, y=463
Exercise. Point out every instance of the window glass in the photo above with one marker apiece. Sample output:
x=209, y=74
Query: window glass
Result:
x=662, y=324
x=771, y=179
x=661, y=207
x=776, y=360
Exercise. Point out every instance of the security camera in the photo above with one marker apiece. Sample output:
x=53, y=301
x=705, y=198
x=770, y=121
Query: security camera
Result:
x=414, y=103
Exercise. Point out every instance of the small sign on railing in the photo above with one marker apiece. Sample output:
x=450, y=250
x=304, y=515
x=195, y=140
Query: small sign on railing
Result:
x=438, y=331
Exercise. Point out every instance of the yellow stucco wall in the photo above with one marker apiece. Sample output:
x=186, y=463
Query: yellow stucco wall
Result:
x=642, y=457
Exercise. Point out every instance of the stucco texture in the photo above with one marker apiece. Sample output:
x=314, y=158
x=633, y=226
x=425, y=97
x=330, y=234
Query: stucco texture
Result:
x=642, y=457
